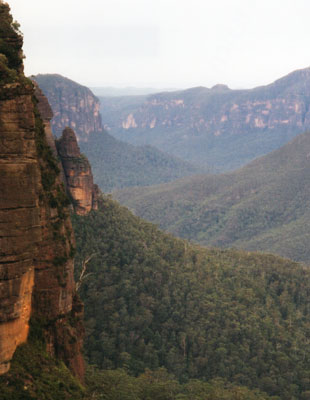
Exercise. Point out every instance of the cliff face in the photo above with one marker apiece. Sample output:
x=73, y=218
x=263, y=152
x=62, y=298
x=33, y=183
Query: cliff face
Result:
x=221, y=126
x=114, y=163
x=36, y=239
x=78, y=174
x=73, y=105
x=20, y=221
x=219, y=111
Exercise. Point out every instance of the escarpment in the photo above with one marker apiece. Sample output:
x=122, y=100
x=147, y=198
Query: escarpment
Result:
x=74, y=105
x=36, y=237
x=19, y=221
x=78, y=174
x=220, y=127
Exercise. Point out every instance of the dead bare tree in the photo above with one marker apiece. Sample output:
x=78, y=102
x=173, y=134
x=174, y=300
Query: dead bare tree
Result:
x=83, y=274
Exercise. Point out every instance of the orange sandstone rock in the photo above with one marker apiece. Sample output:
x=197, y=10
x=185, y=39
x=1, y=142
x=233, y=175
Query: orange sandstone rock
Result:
x=79, y=177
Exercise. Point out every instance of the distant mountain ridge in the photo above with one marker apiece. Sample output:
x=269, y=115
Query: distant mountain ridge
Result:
x=262, y=206
x=125, y=91
x=221, y=127
x=115, y=164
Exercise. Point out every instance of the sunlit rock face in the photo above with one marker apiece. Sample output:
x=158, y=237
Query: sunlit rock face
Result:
x=78, y=174
x=36, y=237
x=20, y=232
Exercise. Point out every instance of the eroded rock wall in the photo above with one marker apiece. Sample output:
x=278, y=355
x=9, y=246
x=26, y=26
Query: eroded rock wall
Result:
x=74, y=106
x=219, y=111
x=36, y=237
x=78, y=174
x=20, y=232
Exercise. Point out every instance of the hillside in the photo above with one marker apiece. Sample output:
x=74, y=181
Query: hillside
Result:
x=220, y=127
x=118, y=165
x=115, y=164
x=152, y=300
x=263, y=206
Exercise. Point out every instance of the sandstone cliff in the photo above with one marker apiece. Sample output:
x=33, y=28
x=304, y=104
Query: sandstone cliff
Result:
x=78, y=174
x=114, y=163
x=36, y=239
x=73, y=105
x=225, y=128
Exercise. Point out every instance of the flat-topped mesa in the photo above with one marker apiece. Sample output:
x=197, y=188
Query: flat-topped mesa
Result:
x=78, y=174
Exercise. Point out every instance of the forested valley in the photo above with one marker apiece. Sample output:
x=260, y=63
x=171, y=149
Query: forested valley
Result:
x=154, y=301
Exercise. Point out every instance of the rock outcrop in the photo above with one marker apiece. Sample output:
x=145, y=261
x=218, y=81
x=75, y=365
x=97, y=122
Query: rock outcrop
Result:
x=114, y=163
x=36, y=237
x=46, y=114
x=73, y=105
x=225, y=128
x=78, y=174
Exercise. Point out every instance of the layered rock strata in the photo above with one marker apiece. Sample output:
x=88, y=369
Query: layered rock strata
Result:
x=36, y=240
x=36, y=237
x=218, y=111
x=78, y=174
x=46, y=114
x=20, y=230
x=54, y=298
x=219, y=127
x=74, y=105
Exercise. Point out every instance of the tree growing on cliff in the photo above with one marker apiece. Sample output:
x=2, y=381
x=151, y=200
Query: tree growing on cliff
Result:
x=11, y=42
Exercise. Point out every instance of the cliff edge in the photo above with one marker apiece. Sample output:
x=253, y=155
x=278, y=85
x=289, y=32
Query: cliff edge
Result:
x=36, y=237
x=78, y=175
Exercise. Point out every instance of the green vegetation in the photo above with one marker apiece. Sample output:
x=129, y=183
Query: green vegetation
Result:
x=35, y=375
x=218, y=127
x=159, y=385
x=152, y=301
x=11, y=41
x=116, y=164
x=263, y=206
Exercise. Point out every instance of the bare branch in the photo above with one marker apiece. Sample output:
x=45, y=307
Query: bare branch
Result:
x=83, y=272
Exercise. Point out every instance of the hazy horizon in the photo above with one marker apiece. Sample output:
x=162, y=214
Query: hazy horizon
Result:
x=165, y=43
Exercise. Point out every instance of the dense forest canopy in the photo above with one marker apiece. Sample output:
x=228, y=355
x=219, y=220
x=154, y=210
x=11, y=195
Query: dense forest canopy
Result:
x=152, y=301
x=263, y=206
x=11, y=42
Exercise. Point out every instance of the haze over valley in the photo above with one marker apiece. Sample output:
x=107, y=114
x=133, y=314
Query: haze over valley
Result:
x=197, y=287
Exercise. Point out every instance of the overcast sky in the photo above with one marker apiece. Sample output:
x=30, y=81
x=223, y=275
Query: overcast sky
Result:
x=165, y=43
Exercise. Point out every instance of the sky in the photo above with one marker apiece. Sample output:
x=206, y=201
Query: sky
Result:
x=165, y=43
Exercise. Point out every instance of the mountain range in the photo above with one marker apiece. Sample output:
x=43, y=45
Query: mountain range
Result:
x=125, y=91
x=116, y=164
x=262, y=206
x=218, y=127
x=165, y=319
